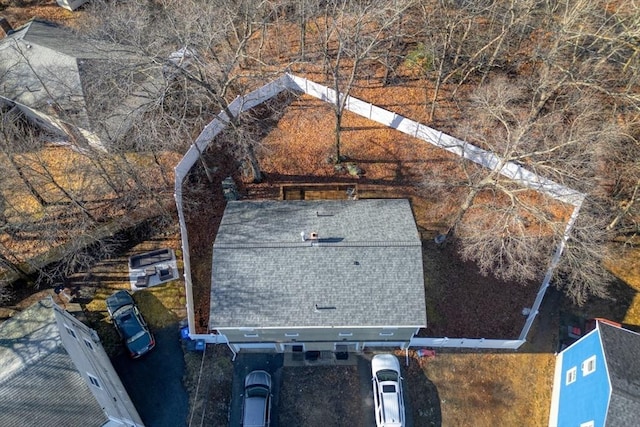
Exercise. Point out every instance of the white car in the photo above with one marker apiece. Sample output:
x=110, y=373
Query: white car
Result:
x=387, y=391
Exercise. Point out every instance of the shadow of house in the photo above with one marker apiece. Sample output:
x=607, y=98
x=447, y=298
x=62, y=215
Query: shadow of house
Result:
x=53, y=371
x=65, y=83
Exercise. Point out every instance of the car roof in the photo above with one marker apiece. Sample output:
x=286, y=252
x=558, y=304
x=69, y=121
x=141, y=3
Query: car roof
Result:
x=391, y=411
x=128, y=322
x=255, y=411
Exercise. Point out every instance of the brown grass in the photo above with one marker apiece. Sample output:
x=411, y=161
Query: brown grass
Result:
x=492, y=389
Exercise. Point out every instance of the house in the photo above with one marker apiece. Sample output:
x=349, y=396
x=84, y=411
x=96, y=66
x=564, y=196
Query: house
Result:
x=58, y=80
x=317, y=275
x=54, y=371
x=597, y=380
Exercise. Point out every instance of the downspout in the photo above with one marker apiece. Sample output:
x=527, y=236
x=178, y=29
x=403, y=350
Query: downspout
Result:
x=233, y=359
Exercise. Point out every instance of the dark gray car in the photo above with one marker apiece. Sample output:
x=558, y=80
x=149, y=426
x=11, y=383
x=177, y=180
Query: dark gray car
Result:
x=256, y=402
x=130, y=324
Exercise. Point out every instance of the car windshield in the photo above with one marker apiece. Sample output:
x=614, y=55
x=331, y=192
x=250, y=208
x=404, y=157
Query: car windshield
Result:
x=387, y=375
x=257, y=391
x=121, y=310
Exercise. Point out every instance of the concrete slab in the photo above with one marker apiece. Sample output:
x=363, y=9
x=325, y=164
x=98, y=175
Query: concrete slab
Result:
x=152, y=269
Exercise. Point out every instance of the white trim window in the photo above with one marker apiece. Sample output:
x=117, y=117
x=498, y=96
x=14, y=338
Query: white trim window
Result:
x=589, y=366
x=572, y=374
x=94, y=381
x=88, y=344
x=70, y=331
x=251, y=335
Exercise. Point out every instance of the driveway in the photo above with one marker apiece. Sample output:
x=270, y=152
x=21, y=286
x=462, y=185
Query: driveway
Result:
x=245, y=363
x=272, y=363
x=366, y=392
x=154, y=382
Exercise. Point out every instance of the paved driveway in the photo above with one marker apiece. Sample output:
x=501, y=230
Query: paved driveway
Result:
x=245, y=363
x=272, y=363
x=154, y=382
x=366, y=392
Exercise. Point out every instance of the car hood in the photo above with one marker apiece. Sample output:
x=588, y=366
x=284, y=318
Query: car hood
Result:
x=258, y=378
x=385, y=361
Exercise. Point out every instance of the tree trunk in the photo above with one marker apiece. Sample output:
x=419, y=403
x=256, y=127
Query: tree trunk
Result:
x=338, y=114
x=254, y=164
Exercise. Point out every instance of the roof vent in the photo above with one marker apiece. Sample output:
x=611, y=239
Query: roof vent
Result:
x=324, y=307
x=313, y=235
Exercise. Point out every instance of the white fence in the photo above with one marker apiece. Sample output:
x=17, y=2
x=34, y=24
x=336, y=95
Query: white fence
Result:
x=240, y=104
x=388, y=118
x=466, y=343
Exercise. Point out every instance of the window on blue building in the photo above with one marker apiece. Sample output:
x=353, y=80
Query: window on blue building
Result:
x=571, y=375
x=589, y=366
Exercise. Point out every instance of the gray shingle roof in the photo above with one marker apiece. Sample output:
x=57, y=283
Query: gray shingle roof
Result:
x=39, y=384
x=367, y=263
x=42, y=62
x=622, y=349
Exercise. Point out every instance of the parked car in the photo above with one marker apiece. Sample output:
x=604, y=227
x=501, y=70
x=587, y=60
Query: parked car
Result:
x=256, y=401
x=387, y=391
x=130, y=324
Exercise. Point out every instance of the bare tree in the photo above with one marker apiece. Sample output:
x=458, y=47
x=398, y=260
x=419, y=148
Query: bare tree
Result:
x=204, y=50
x=354, y=33
x=504, y=228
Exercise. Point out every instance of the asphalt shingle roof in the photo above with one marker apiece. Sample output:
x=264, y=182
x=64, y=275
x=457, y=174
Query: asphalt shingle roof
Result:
x=44, y=64
x=621, y=349
x=39, y=384
x=366, y=265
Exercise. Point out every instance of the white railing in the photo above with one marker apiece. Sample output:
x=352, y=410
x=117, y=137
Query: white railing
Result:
x=466, y=343
x=388, y=118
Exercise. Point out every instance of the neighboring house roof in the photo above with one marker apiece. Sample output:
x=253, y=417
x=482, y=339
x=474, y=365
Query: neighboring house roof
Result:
x=50, y=69
x=622, y=349
x=607, y=392
x=39, y=384
x=365, y=269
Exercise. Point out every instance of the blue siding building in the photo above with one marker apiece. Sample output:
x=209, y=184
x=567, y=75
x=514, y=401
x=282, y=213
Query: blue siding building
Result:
x=597, y=380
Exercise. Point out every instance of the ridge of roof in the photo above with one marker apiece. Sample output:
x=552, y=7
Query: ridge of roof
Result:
x=328, y=242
